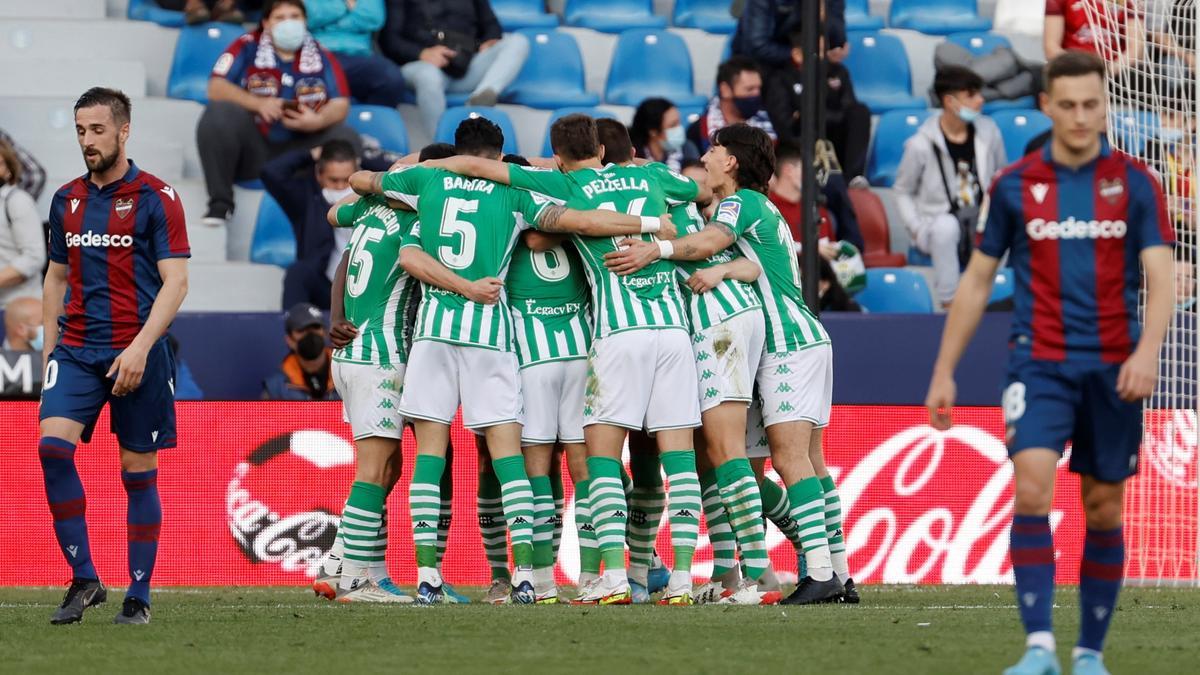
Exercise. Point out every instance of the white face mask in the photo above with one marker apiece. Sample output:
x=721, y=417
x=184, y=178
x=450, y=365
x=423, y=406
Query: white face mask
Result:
x=289, y=34
x=334, y=196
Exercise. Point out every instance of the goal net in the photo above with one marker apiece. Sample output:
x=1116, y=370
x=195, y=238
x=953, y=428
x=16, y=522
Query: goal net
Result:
x=1150, y=46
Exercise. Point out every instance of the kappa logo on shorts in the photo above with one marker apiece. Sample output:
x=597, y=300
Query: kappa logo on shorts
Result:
x=387, y=423
x=703, y=356
x=707, y=374
x=786, y=407
x=784, y=388
x=712, y=392
x=783, y=370
x=387, y=404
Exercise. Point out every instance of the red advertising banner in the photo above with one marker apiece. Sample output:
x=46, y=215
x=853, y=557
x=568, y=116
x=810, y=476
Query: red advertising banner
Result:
x=251, y=494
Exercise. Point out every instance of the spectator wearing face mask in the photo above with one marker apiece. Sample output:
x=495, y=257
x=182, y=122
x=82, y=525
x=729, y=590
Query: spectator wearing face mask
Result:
x=658, y=135
x=738, y=99
x=23, y=325
x=304, y=374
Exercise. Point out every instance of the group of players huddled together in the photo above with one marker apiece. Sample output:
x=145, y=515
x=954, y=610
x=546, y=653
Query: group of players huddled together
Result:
x=565, y=310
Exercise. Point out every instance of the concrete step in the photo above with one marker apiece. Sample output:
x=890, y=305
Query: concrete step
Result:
x=63, y=77
x=53, y=9
x=233, y=287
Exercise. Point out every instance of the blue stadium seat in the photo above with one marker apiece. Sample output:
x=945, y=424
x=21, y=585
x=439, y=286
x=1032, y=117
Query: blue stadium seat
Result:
x=518, y=14
x=196, y=52
x=1131, y=129
x=895, y=290
x=552, y=76
x=894, y=128
x=547, y=151
x=858, y=16
x=882, y=77
x=148, y=10
x=1023, y=103
x=649, y=63
x=918, y=258
x=711, y=16
x=1017, y=128
x=613, y=16
x=453, y=116
x=274, y=241
x=382, y=123
x=937, y=17
x=1002, y=288
x=979, y=43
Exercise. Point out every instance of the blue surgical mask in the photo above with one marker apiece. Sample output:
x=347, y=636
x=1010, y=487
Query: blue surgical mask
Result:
x=675, y=138
x=38, y=340
x=968, y=115
x=289, y=34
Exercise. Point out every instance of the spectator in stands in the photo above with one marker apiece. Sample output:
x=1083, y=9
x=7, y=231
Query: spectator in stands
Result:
x=838, y=222
x=1119, y=28
x=834, y=298
x=202, y=11
x=304, y=374
x=738, y=99
x=346, y=28
x=847, y=121
x=452, y=46
x=23, y=325
x=765, y=28
x=33, y=176
x=275, y=89
x=22, y=241
x=306, y=183
x=657, y=133
x=943, y=173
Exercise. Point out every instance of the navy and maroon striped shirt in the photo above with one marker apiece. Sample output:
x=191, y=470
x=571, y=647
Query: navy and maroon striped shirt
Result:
x=111, y=240
x=1074, y=239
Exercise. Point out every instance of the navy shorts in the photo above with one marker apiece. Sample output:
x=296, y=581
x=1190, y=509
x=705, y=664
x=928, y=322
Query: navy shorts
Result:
x=1047, y=403
x=76, y=387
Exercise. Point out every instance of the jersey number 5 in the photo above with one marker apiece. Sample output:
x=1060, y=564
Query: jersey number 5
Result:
x=460, y=256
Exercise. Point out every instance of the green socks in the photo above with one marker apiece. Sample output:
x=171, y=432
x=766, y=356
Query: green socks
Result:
x=833, y=529
x=491, y=525
x=361, y=519
x=743, y=505
x=720, y=535
x=607, y=498
x=424, y=505
x=589, y=551
x=808, y=510
x=779, y=511
x=684, y=505
x=543, y=522
x=516, y=497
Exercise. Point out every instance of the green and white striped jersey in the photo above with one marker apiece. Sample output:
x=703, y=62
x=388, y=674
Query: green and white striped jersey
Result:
x=471, y=226
x=548, y=293
x=379, y=293
x=727, y=299
x=764, y=237
x=648, y=299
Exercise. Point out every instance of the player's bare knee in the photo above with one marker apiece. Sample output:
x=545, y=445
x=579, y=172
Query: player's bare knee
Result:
x=61, y=427
x=136, y=462
x=1102, y=504
x=1032, y=497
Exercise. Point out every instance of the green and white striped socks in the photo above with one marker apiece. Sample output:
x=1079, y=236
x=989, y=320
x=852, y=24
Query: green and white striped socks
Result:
x=444, y=513
x=808, y=510
x=589, y=551
x=543, y=522
x=606, y=496
x=743, y=506
x=516, y=497
x=424, y=506
x=833, y=529
x=779, y=511
x=647, y=500
x=361, y=519
x=720, y=535
x=684, y=506
x=491, y=525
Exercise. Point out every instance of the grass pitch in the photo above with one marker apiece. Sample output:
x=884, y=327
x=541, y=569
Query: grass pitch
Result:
x=286, y=630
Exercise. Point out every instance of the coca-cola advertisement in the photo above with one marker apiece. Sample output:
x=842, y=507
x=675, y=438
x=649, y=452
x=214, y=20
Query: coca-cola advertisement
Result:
x=252, y=493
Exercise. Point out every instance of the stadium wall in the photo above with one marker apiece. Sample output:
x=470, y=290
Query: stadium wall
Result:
x=249, y=497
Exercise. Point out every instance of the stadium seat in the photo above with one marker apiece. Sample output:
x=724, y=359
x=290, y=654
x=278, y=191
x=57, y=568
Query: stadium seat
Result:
x=274, y=241
x=873, y=223
x=858, y=16
x=711, y=16
x=612, y=16
x=919, y=258
x=1131, y=129
x=881, y=73
x=453, y=116
x=1002, y=288
x=148, y=10
x=893, y=129
x=382, y=123
x=547, y=150
x=895, y=290
x=937, y=17
x=1017, y=128
x=1022, y=103
x=552, y=76
x=979, y=43
x=195, y=54
x=518, y=14
x=650, y=63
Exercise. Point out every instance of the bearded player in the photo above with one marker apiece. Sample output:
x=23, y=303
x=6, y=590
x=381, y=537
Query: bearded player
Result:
x=1081, y=223
x=118, y=273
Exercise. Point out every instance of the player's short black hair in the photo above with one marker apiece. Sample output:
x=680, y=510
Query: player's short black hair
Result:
x=1072, y=63
x=574, y=138
x=270, y=5
x=436, y=151
x=953, y=79
x=648, y=117
x=479, y=136
x=614, y=138
x=115, y=99
x=787, y=151
x=337, y=150
x=728, y=72
x=516, y=159
x=755, y=153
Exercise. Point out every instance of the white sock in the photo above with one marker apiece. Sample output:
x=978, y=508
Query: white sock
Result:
x=586, y=578
x=820, y=567
x=639, y=573
x=615, y=577
x=1080, y=651
x=429, y=575
x=840, y=566
x=331, y=565
x=681, y=580
x=1041, y=638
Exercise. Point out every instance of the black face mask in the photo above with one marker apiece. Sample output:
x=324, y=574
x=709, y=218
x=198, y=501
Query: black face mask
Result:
x=310, y=346
x=748, y=106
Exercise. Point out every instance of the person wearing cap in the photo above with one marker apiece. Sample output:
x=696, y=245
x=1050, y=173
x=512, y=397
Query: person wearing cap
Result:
x=304, y=374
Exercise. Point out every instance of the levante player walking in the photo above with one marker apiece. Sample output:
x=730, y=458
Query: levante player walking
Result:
x=118, y=273
x=1076, y=219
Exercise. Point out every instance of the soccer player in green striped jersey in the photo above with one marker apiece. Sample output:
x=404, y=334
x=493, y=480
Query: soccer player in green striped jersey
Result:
x=463, y=350
x=641, y=356
x=728, y=332
x=795, y=374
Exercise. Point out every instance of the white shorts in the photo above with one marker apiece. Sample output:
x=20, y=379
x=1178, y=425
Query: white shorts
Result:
x=797, y=386
x=756, y=435
x=640, y=379
x=553, y=395
x=440, y=376
x=370, y=398
x=727, y=357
